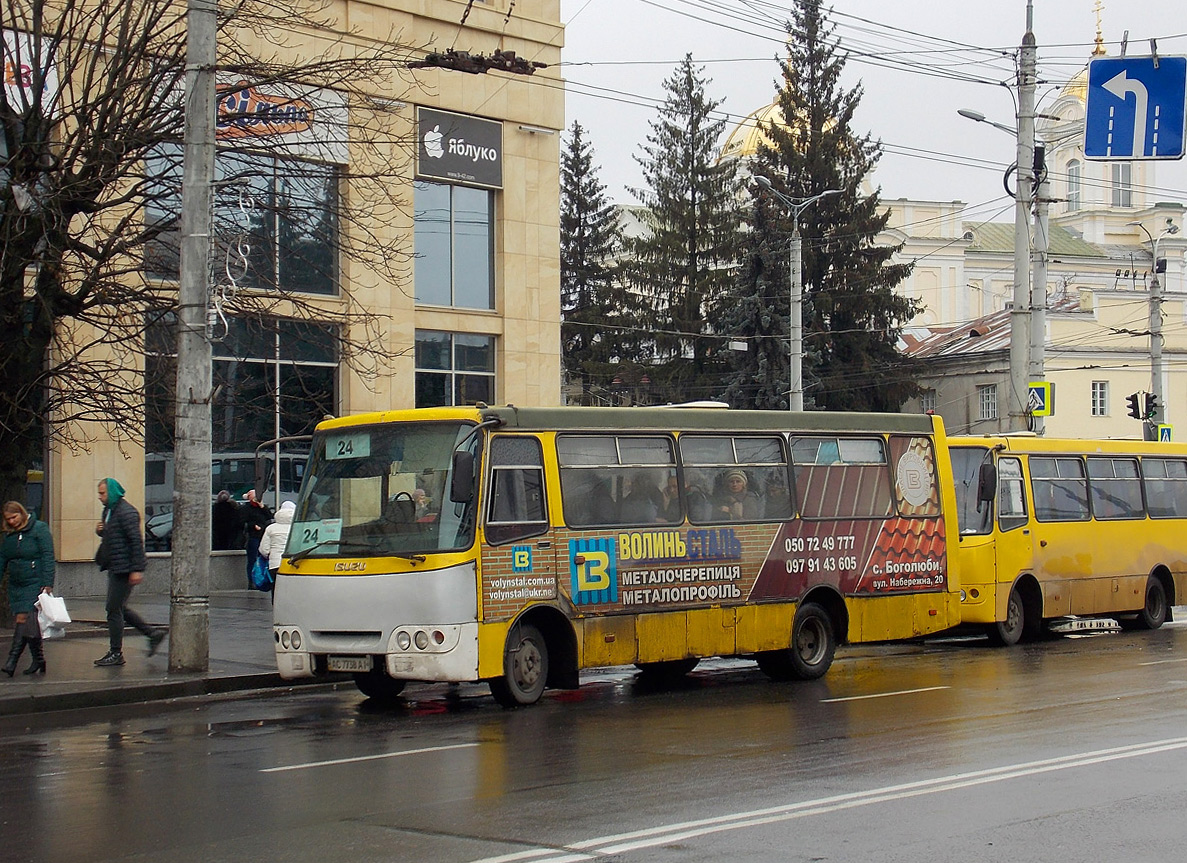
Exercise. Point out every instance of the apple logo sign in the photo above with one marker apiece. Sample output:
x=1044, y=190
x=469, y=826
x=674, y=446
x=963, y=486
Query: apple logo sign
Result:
x=433, y=143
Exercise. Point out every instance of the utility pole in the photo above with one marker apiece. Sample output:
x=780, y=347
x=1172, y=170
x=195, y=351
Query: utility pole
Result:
x=1038, y=286
x=795, y=313
x=1024, y=190
x=189, y=600
x=1155, y=306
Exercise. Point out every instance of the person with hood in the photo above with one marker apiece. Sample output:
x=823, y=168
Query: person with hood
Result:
x=224, y=523
x=255, y=517
x=121, y=554
x=276, y=536
x=27, y=552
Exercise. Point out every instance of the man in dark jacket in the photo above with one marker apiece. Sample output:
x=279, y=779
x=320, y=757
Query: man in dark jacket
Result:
x=255, y=517
x=121, y=553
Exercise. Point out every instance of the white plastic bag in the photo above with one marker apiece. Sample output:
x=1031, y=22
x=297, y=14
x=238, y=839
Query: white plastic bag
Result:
x=52, y=616
x=53, y=608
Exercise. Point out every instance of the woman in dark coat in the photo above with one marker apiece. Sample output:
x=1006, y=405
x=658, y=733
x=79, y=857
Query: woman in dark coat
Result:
x=121, y=553
x=27, y=552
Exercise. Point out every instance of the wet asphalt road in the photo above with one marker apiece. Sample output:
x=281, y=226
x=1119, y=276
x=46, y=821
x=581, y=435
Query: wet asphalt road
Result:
x=1071, y=749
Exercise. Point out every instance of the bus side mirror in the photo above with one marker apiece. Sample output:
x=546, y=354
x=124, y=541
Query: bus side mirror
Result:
x=461, y=484
x=987, y=482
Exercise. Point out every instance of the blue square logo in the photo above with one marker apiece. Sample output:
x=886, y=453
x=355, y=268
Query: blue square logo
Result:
x=521, y=558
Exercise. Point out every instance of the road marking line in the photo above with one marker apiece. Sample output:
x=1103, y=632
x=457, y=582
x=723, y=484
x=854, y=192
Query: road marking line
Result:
x=651, y=837
x=1162, y=661
x=366, y=758
x=882, y=694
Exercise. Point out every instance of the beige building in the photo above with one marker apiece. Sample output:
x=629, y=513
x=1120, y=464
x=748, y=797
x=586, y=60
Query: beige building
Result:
x=1104, y=221
x=475, y=317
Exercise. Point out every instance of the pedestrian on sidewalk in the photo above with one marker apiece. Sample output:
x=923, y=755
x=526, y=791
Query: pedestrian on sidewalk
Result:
x=121, y=554
x=276, y=536
x=224, y=523
x=27, y=553
x=255, y=517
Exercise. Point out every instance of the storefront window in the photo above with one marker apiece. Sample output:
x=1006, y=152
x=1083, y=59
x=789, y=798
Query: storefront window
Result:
x=454, y=240
x=272, y=378
x=281, y=212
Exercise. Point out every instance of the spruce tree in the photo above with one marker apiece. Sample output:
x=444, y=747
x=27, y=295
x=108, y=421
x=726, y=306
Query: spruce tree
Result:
x=597, y=324
x=755, y=313
x=852, y=315
x=680, y=265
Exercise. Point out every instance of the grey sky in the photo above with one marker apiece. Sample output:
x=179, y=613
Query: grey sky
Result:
x=618, y=52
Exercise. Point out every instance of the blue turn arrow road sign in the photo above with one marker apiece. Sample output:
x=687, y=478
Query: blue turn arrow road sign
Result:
x=1135, y=108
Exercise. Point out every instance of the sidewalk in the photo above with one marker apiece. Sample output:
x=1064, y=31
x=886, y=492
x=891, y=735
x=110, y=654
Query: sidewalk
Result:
x=241, y=657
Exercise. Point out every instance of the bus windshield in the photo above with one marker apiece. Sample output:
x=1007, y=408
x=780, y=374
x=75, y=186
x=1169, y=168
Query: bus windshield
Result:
x=375, y=491
x=974, y=516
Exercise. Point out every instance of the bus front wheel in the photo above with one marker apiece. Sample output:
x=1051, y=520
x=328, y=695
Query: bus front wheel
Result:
x=1008, y=632
x=375, y=684
x=813, y=643
x=1153, y=613
x=525, y=668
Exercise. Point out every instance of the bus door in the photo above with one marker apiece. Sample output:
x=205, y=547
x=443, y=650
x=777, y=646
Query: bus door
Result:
x=1063, y=553
x=1014, y=545
x=519, y=564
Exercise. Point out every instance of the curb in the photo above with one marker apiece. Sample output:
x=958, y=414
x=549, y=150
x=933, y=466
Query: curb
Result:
x=140, y=693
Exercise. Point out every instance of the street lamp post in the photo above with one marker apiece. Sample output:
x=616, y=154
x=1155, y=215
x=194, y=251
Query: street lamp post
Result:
x=795, y=323
x=1156, y=329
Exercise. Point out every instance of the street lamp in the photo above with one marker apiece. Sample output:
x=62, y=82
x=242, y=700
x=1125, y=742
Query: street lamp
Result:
x=1156, y=326
x=795, y=323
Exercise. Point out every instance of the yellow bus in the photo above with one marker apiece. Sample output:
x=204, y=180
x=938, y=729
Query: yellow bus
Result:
x=1053, y=528
x=518, y=546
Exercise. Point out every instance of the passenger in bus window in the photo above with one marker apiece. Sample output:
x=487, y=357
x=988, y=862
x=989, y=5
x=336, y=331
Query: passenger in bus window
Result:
x=643, y=503
x=601, y=508
x=670, y=511
x=777, y=500
x=736, y=501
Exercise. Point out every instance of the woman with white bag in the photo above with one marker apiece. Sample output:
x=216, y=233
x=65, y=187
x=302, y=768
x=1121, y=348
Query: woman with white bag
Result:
x=27, y=552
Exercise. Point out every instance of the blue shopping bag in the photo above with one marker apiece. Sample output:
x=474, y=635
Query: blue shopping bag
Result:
x=261, y=577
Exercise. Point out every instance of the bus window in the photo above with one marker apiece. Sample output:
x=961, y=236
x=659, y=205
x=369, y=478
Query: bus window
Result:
x=1011, y=494
x=975, y=517
x=611, y=481
x=731, y=478
x=1060, y=488
x=516, y=501
x=1116, y=489
x=841, y=477
x=1166, y=487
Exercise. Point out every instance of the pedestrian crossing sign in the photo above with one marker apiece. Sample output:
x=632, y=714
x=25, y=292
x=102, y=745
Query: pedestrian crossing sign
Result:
x=1164, y=432
x=1040, y=400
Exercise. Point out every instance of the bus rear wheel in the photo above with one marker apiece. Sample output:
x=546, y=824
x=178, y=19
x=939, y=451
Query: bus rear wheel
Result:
x=375, y=684
x=813, y=644
x=525, y=668
x=1154, y=612
x=1008, y=632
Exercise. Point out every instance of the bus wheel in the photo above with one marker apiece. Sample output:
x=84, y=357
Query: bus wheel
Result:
x=1153, y=614
x=1009, y=631
x=525, y=668
x=670, y=669
x=813, y=644
x=377, y=685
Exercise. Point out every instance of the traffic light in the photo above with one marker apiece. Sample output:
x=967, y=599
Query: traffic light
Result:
x=1135, y=410
x=1151, y=405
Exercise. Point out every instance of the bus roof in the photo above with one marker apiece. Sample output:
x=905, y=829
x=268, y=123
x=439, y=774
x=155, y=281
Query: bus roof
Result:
x=652, y=419
x=1087, y=446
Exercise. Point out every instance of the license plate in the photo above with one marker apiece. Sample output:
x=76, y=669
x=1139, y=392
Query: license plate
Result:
x=349, y=663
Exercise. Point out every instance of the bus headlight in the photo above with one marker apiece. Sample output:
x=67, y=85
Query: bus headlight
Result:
x=422, y=639
x=402, y=640
x=296, y=640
